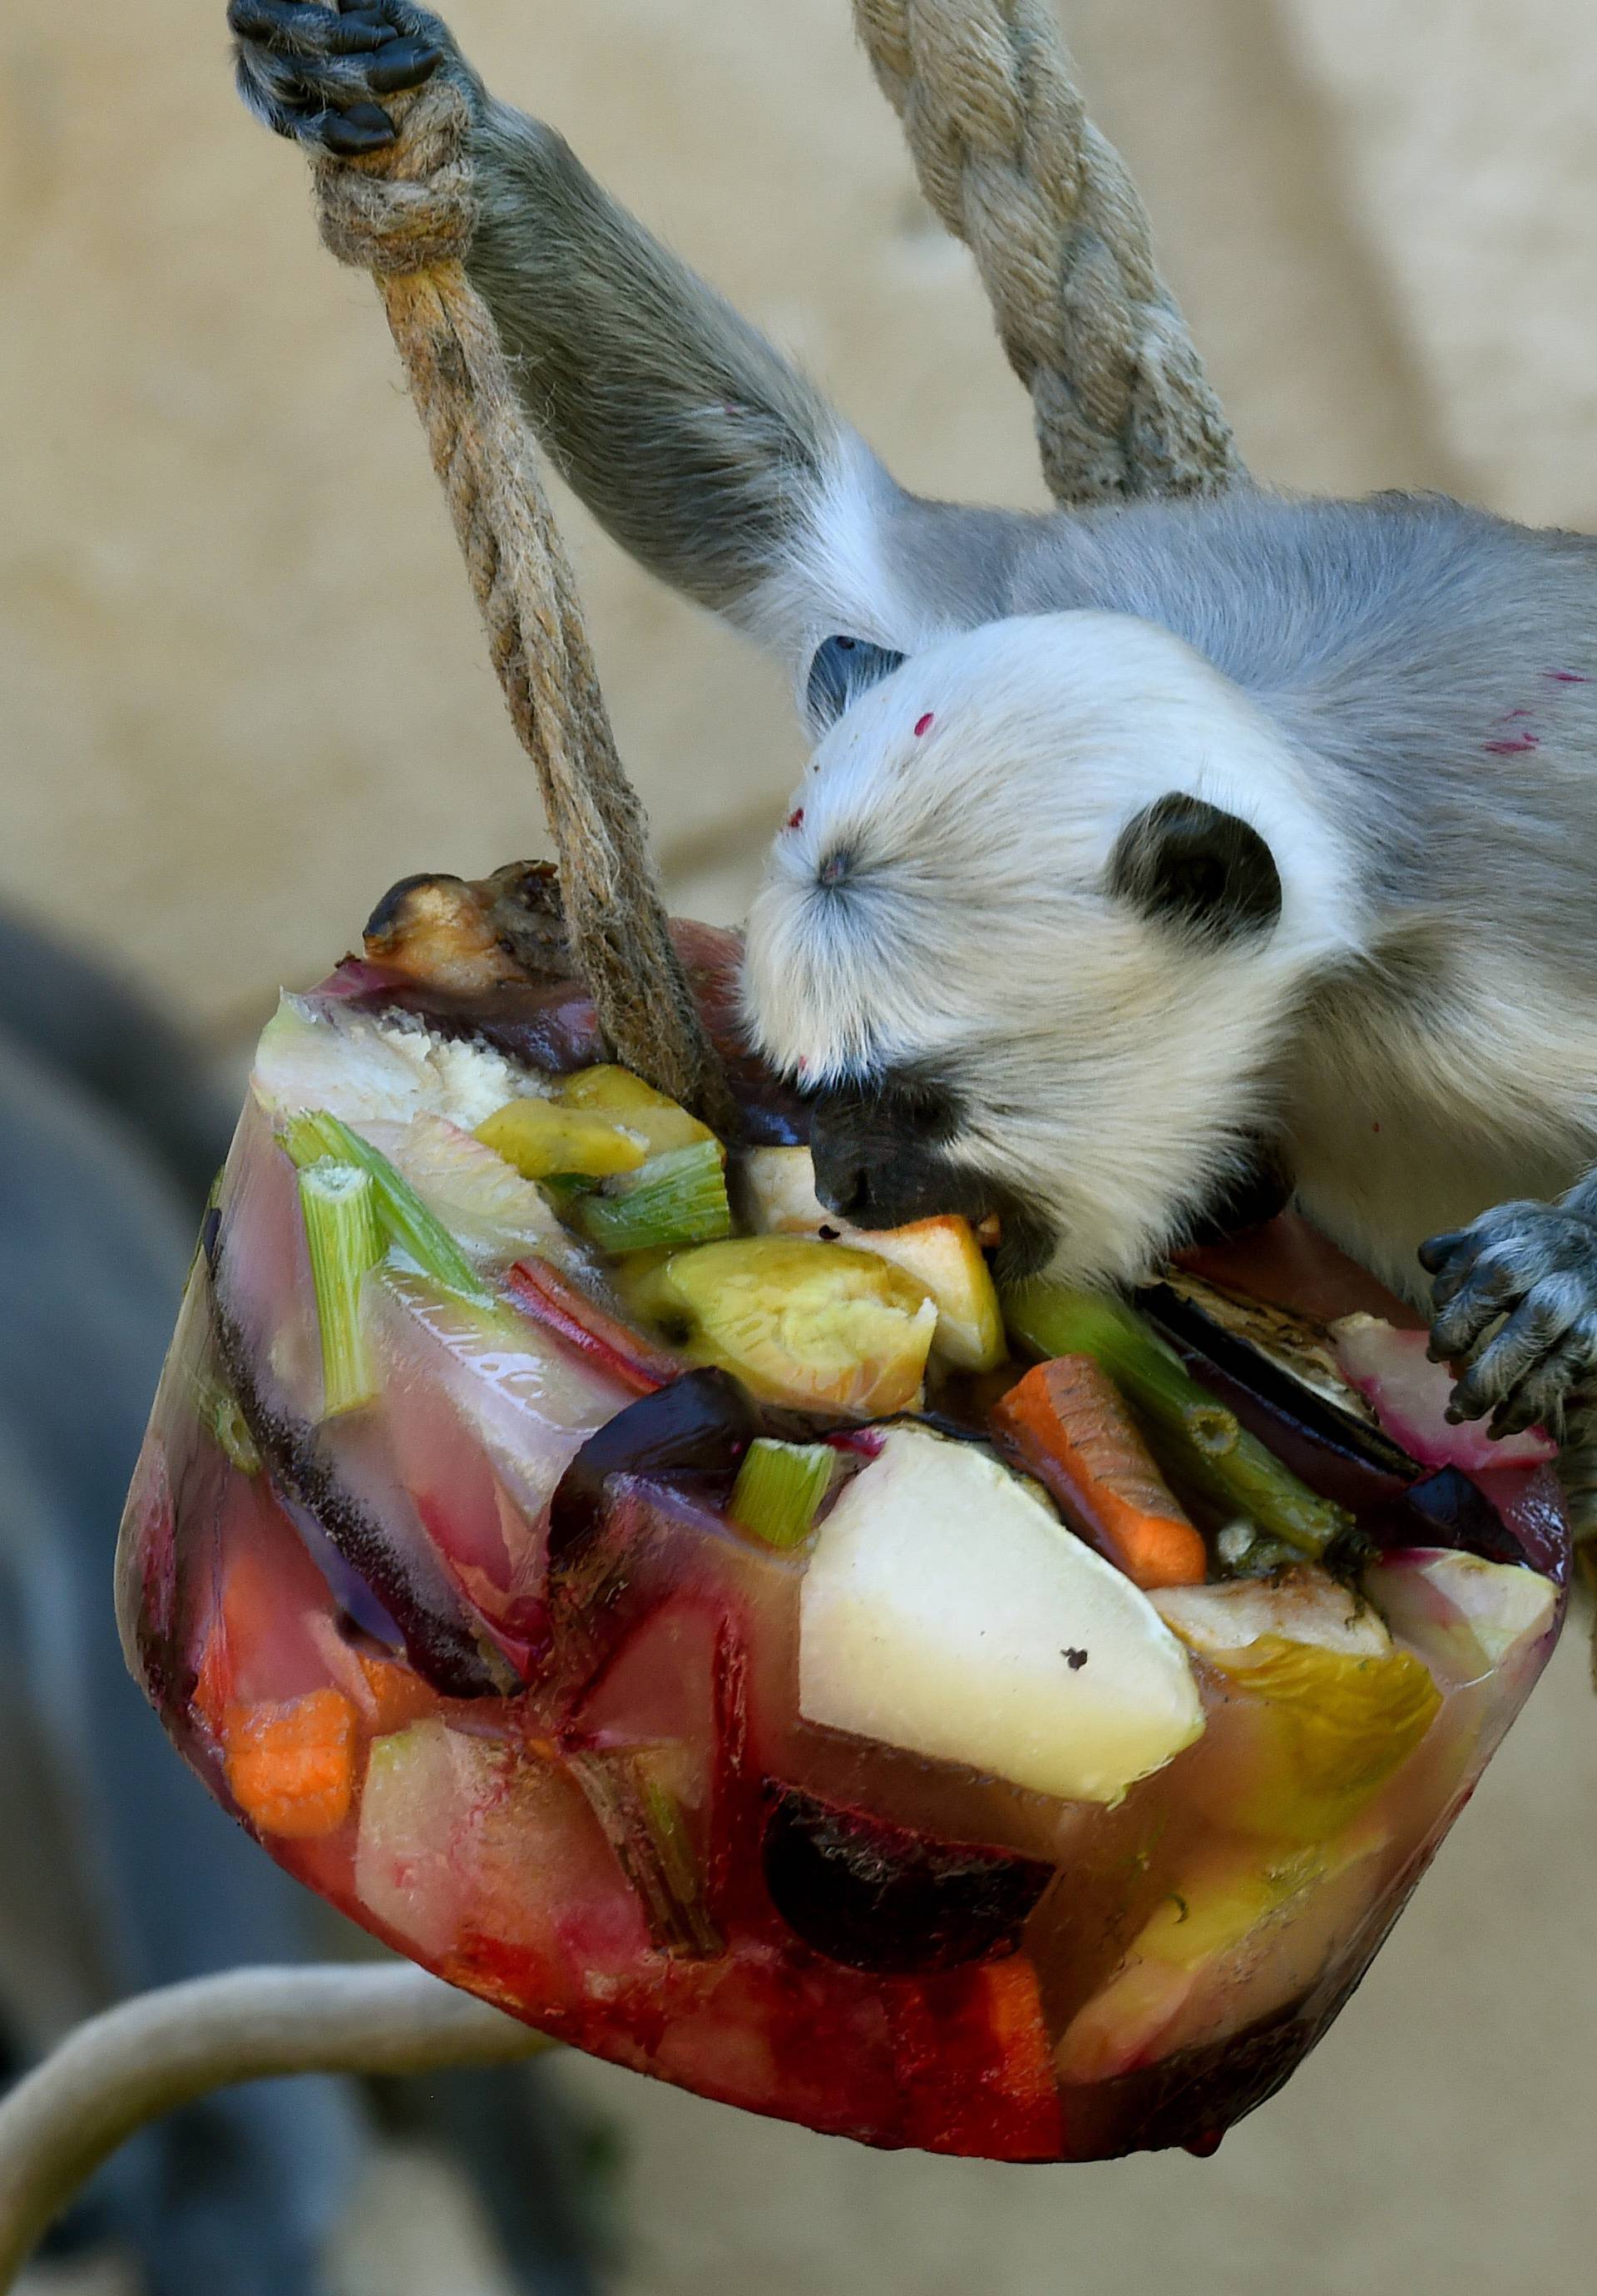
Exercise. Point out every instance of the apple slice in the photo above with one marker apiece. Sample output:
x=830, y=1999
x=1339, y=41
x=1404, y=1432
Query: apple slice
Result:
x=1467, y=1616
x=378, y=1068
x=1410, y=1396
x=1323, y=1707
x=543, y=1138
x=618, y=1097
x=1301, y=1606
x=1242, y=1933
x=948, y=1611
x=813, y=1325
x=777, y=1193
x=941, y=1255
x=491, y=1211
x=462, y=1841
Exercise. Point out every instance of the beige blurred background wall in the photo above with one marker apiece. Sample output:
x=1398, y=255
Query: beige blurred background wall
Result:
x=242, y=688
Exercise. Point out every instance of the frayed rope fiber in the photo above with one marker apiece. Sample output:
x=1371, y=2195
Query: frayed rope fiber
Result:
x=407, y=214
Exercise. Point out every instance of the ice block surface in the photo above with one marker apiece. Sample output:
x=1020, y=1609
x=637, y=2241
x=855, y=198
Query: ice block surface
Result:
x=563, y=1614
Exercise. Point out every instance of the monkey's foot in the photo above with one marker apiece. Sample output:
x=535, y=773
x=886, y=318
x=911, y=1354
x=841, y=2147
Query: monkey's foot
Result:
x=317, y=74
x=1515, y=1299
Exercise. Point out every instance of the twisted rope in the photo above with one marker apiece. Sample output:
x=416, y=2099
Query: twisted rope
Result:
x=408, y=214
x=1013, y=167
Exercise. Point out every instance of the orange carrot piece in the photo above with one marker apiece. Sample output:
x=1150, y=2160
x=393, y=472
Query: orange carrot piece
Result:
x=290, y=1767
x=1073, y=1430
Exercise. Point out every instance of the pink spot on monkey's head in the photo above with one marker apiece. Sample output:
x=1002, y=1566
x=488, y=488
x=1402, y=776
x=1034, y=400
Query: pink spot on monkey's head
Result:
x=796, y=818
x=1516, y=748
x=923, y=724
x=1566, y=677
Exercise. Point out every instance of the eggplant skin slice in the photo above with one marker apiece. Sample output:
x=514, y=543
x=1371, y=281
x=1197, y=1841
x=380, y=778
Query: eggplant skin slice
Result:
x=439, y=1637
x=1287, y=1361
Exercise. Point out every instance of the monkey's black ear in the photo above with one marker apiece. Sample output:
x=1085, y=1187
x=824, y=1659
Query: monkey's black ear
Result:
x=841, y=670
x=1187, y=864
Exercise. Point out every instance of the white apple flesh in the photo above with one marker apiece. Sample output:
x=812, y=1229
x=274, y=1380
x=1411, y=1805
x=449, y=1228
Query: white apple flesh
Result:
x=947, y=1609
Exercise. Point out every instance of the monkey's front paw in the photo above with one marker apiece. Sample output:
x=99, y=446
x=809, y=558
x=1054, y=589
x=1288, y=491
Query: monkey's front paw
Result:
x=317, y=73
x=1515, y=1299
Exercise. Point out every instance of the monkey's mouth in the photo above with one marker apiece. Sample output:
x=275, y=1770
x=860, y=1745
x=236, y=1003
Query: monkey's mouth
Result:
x=895, y=1179
x=1260, y=1189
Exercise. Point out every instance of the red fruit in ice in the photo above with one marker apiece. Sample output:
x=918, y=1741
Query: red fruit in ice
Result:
x=1410, y=1394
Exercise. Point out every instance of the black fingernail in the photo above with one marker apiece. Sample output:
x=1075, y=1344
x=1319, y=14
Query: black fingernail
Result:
x=349, y=134
x=402, y=66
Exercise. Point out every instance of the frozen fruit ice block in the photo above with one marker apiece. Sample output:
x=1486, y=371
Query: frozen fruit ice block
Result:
x=515, y=1552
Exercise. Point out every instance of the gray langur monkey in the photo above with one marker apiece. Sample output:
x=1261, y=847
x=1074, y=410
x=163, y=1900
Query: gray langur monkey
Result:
x=1140, y=844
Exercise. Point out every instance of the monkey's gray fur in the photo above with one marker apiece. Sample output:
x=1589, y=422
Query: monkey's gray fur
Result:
x=1182, y=824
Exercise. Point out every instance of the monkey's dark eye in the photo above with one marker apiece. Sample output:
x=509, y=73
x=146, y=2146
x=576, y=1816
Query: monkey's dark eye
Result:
x=842, y=669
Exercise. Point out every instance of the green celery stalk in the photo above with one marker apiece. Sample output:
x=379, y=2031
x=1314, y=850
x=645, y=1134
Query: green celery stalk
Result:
x=779, y=1488
x=679, y=1197
x=403, y=1217
x=1192, y=1434
x=340, y=1228
x=644, y=1824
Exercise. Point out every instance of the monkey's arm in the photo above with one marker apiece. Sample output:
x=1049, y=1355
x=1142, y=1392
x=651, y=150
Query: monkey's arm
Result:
x=692, y=441
x=702, y=451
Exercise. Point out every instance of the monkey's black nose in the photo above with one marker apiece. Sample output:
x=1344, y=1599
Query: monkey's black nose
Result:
x=843, y=1185
x=879, y=1162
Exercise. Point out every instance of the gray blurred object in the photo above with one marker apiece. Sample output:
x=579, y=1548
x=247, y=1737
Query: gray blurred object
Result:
x=116, y=1872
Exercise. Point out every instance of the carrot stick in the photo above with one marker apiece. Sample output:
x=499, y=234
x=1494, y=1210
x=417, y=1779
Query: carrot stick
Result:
x=291, y=1766
x=1073, y=1429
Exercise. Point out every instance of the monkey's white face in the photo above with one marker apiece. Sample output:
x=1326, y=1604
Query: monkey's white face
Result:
x=1034, y=933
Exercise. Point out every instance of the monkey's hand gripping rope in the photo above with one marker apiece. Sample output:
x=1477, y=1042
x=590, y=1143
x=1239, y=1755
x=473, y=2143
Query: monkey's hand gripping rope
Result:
x=407, y=214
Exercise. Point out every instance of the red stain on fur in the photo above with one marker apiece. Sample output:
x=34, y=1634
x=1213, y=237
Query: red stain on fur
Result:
x=1566, y=677
x=796, y=818
x=1515, y=748
x=923, y=724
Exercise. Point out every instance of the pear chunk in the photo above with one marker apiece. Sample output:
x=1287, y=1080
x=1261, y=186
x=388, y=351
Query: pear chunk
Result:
x=947, y=1609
